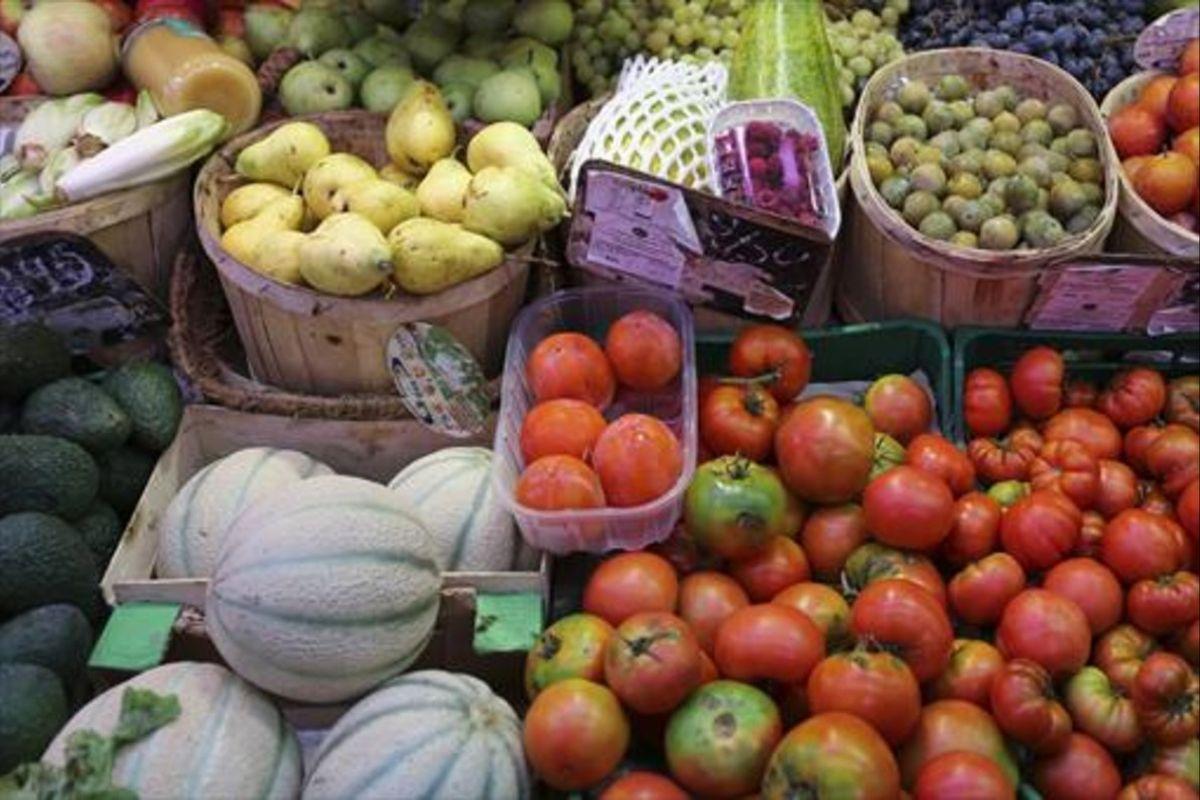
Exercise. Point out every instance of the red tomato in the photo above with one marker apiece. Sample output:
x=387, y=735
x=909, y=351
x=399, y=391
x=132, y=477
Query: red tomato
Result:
x=825, y=449
x=1082, y=771
x=947, y=726
x=899, y=407
x=1180, y=761
x=1183, y=402
x=987, y=402
x=1158, y=787
x=1040, y=530
x=1137, y=441
x=958, y=775
x=832, y=750
x=643, y=786
x=1091, y=531
x=975, y=531
x=1133, y=397
x=825, y=607
x=739, y=420
x=1166, y=694
x=830, y=535
x=1080, y=394
x=1037, y=382
x=1187, y=644
x=1138, y=546
x=1174, y=458
x=878, y=688
x=644, y=351
x=876, y=562
x=1070, y=468
x=932, y=453
x=907, y=507
x=1044, y=627
x=575, y=734
x=1118, y=488
x=1120, y=653
x=981, y=590
x=1188, y=510
x=1152, y=500
x=557, y=483
x=573, y=647
x=768, y=642
x=774, y=568
x=1025, y=708
x=974, y=665
x=562, y=427
x=1092, y=587
x=570, y=365
x=997, y=460
x=1101, y=709
x=638, y=460
x=1090, y=428
x=628, y=584
x=771, y=350
x=1166, y=604
x=652, y=662
x=706, y=599
x=906, y=619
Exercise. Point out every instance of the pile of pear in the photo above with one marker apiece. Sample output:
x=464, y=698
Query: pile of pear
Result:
x=424, y=222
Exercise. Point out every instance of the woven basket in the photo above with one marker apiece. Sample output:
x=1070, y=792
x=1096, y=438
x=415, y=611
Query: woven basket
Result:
x=891, y=270
x=312, y=343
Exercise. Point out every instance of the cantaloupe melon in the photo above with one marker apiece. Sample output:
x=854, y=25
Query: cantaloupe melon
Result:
x=451, y=491
x=322, y=593
x=228, y=741
x=198, y=517
x=429, y=735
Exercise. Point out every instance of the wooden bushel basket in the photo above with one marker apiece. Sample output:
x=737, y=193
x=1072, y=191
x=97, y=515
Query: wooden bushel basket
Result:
x=891, y=270
x=305, y=341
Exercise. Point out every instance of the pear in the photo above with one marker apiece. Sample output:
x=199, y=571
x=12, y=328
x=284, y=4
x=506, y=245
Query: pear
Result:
x=548, y=21
x=328, y=175
x=385, y=87
x=380, y=49
x=247, y=201
x=312, y=31
x=266, y=28
x=389, y=12
x=312, y=87
x=429, y=40
x=430, y=256
x=399, y=177
x=444, y=190
x=351, y=65
x=384, y=203
x=526, y=52
x=480, y=45
x=511, y=95
x=510, y=206
x=420, y=130
x=241, y=241
x=507, y=144
x=346, y=256
x=464, y=69
x=460, y=99
x=285, y=155
x=488, y=17
x=360, y=24
x=278, y=256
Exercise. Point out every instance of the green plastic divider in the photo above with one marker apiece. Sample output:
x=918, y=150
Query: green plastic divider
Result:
x=1093, y=356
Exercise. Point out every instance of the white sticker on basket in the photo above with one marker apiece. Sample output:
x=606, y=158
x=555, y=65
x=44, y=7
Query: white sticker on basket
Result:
x=10, y=60
x=1082, y=300
x=1161, y=43
x=439, y=381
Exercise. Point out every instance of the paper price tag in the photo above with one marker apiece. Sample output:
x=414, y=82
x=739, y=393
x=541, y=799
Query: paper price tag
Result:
x=439, y=381
x=1161, y=43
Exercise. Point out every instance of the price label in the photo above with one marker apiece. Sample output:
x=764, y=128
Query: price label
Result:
x=439, y=381
x=1161, y=43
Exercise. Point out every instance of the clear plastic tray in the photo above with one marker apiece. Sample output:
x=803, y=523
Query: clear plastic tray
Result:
x=591, y=311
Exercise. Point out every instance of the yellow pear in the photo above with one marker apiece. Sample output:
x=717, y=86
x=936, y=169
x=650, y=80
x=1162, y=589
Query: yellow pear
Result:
x=246, y=201
x=510, y=206
x=444, y=189
x=507, y=144
x=242, y=239
x=431, y=256
x=420, y=130
x=331, y=173
x=392, y=173
x=278, y=256
x=346, y=255
x=285, y=155
x=382, y=202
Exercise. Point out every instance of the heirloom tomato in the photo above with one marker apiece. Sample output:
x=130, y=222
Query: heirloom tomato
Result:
x=1180, y=761
x=875, y=687
x=1151, y=499
x=1080, y=394
x=1083, y=770
x=1187, y=644
x=825, y=450
x=960, y=774
x=1174, y=458
x=733, y=507
x=644, y=351
x=562, y=427
x=1037, y=382
x=575, y=734
x=638, y=460
x=768, y=642
x=826, y=608
x=1102, y=710
x=1187, y=508
x=768, y=572
x=976, y=529
x=830, y=535
x=974, y=665
x=570, y=365
x=739, y=420
x=776, y=354
x=1090, y=428
x=1118, y=488
x=1133, y=397
x=1026, y=708
x=998, y=460
x=1165, y=604
x=1166, y=694
x=981, y=590
x=652, y=662
x=1135, y=444
x=933, y=453
x=1091, y=531
x=987, y=402
x=719, y=740
x=1158, y=787
x=1138, y=545
x=832, y=755
x=1007, y=493
x=1120, y=653
x=876, y=562
x=899, y=407
x=1067, y=467
x=907, y=507
x=946, y=726
x=573, y=647
x=1091, y=586
x=1183, y=402
x=630, y=583
x=705, y=600
x=1040, y=530
x=1044, y=627
x=906, y=620
x=888, y=454
x=556, y=483
x=643, y=786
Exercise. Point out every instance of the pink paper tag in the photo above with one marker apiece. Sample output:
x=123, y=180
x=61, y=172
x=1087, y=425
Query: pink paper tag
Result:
x=1161, y=43
x=1092, y=299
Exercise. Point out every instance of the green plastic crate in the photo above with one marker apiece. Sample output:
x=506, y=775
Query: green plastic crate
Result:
x=1094, y=356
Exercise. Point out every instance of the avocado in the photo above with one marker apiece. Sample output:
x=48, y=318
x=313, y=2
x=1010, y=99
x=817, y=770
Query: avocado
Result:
x=78, y=410
x=57, y=637
x=33, y=707
x=100, y=528
x=31, y=355
x=123, y=475
x=44, y=560
x=148, y=393
x=46, y=473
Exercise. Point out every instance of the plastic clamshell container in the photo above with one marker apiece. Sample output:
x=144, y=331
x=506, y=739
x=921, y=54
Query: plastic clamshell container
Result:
x=591, y=311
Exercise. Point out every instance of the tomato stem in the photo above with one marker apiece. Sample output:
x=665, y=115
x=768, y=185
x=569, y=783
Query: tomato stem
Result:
x=764, y=379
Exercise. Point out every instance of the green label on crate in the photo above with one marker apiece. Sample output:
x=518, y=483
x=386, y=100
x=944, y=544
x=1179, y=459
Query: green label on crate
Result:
x=136, y=637
x=439, y=380
x=507, y=623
